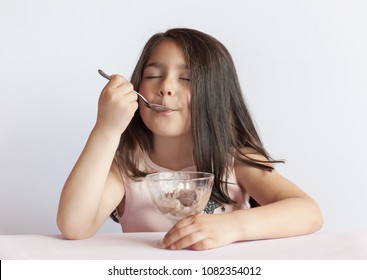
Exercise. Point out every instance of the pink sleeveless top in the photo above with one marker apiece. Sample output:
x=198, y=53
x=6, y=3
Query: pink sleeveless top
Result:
x=140, y=214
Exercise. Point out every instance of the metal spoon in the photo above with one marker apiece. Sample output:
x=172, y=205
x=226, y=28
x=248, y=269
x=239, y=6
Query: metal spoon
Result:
x=155, y=107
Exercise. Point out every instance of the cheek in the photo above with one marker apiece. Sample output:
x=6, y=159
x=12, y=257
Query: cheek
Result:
x=188, y=100
x=185, y=100
x=143, y=90
x=144, y=113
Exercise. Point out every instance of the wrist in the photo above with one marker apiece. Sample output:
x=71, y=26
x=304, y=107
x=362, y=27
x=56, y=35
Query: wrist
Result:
x=241, y=224
x=106, y=132
x=109, y=136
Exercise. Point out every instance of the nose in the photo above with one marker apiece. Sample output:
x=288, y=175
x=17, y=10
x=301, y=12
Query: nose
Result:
x=167, y=88
x=168, y=92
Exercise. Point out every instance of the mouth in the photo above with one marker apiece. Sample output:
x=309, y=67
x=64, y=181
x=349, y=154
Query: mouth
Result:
x=163, y=108
x=165, y=112
x=159, y=107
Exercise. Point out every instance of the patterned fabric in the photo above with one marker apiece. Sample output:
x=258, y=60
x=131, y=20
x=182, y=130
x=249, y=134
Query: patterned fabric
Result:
x=211, y=206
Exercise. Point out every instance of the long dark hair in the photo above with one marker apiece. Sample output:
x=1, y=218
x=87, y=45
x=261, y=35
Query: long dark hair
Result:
x=220, y=121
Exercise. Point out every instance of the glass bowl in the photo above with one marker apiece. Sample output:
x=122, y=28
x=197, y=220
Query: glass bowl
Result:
x=180, y=194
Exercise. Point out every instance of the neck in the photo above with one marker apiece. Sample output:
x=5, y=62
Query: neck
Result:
x=174, y=153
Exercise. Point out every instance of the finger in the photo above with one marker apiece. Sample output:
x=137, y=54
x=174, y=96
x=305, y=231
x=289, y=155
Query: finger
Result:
x=191, y=240
x=178, y=231
x=129, y=97
x=123, y=90
x=117, y=81
x=184, y=222
x=181, y=224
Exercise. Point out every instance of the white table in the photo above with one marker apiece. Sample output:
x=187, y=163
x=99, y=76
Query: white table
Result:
x=139, y=246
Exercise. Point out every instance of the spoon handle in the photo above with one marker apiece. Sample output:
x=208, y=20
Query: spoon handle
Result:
x=104, y=74
x=108, y=77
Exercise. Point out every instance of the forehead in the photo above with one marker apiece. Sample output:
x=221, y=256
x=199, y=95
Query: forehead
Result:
x=167, y=52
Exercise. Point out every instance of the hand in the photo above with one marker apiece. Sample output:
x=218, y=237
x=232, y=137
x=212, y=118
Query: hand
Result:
x=117, y=105
x=201, y=232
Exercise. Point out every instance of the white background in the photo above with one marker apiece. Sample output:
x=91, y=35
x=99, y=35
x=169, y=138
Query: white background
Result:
x=302, y=66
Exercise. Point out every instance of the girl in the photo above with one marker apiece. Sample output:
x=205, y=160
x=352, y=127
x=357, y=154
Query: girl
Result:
x=211, y=131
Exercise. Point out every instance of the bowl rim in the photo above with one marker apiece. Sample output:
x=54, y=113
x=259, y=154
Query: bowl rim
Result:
x=151, y=176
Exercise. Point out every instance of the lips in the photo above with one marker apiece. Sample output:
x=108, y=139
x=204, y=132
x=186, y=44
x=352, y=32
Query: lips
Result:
x=164, y=112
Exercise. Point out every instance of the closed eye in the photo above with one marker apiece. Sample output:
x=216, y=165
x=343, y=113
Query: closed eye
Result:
x=186, y=79
x=152, y=77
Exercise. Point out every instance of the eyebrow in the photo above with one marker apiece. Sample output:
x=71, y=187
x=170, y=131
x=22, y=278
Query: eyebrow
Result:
x=159, y=65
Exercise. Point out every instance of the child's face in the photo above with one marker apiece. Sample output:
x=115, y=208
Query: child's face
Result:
x=166, y=81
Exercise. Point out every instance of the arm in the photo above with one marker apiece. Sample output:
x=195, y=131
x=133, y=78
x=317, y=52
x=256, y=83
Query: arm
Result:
x=94, y=187
x=285, y=211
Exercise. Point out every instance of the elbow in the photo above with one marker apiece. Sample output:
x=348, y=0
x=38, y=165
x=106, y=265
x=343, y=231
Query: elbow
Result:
x=320, y=222
x=309, y=217
x=74, y=235
x=317, y=220
x=73, y=231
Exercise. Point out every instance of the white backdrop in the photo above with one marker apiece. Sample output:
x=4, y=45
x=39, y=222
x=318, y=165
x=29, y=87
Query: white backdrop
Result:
x=302, y=66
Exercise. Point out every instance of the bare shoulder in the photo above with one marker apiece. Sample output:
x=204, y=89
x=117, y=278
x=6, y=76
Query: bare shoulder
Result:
x=264, y=186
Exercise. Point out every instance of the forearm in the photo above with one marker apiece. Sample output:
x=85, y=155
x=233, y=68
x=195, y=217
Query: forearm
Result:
x=83, y=191
x=284, y=218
